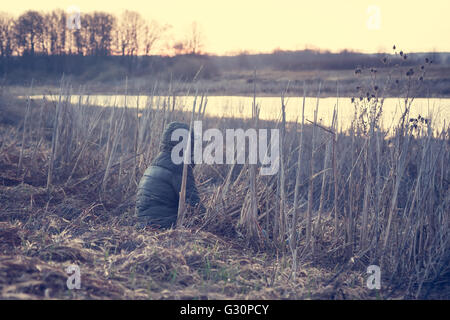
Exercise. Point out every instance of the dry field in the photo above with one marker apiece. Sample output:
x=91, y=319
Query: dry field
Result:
x=69, y=173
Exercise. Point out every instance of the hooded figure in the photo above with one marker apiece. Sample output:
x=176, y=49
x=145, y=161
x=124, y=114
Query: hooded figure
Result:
x=159, y=189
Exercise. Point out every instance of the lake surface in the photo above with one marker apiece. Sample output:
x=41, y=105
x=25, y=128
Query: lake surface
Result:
x=437, y=109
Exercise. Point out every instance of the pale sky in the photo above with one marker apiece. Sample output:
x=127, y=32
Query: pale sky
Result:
x=263, y=25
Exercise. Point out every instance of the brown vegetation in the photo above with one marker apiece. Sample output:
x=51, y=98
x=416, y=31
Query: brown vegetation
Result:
x=68, y=176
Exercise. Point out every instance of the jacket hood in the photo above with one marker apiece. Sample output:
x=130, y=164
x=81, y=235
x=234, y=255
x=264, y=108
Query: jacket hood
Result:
x=166, y=142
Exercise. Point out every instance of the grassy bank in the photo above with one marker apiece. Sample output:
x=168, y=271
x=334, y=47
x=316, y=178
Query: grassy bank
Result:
x=341, y=201
x=271, y=82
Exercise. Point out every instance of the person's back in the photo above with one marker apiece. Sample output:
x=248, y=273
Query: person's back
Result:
x=158, y=192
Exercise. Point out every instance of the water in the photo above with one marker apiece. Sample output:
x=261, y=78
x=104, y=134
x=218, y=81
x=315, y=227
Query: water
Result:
x=437, y=109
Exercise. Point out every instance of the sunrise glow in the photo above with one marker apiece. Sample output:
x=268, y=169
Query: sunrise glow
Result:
x=234, y=26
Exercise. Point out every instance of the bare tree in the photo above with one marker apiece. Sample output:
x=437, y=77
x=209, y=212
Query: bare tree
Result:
x=77, y=41
x=153, y=32
x=29, y=29
x=128, y=32
x=6, y=35
x=195, y=42
x=97, y=30
x=50, y=35
x=55, y=31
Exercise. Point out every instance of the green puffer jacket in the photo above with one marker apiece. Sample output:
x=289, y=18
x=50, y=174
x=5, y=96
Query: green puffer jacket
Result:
x=158, y=191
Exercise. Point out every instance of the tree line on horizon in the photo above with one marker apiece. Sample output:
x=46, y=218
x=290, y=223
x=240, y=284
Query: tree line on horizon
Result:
x=96, y=34
x=58, y=42
x=55, y=42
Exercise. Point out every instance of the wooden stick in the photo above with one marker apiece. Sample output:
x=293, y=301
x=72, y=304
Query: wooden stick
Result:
x=293, y=238
x=187, y=157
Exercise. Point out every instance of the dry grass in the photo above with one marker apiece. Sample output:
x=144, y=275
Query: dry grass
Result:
x=121, y=263
x=71, y=201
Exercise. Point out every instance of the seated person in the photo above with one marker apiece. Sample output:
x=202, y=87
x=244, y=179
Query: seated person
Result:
x=159, y=188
